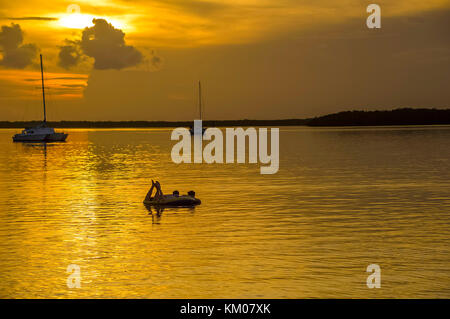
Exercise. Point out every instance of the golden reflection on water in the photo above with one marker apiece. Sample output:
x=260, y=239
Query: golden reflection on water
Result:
x=343, y=199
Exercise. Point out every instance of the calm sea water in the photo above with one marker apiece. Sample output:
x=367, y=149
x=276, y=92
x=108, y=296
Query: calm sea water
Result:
x=343, y=198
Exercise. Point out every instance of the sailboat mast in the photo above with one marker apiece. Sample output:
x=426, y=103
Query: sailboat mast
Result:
x=43, y=91
x=200, y=98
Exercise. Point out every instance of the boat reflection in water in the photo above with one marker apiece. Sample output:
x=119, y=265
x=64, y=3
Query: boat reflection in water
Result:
x=156, y=211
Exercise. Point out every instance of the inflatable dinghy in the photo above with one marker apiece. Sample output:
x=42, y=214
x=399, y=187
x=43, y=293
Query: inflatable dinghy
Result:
x=171, y=200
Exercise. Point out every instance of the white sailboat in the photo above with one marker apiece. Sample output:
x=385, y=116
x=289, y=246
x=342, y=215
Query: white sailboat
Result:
x=40, y=133
x=191, y=129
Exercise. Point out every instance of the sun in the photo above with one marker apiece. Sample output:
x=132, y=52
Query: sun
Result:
x=76, y=21
x=81, y=21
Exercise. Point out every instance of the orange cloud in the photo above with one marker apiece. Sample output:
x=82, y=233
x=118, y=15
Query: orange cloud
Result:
x=60, y=85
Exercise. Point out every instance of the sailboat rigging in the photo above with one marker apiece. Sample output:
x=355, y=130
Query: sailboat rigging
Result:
x=191, y=129
x=40, y=133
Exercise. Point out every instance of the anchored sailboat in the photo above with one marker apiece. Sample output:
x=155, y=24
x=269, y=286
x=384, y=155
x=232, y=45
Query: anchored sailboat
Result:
x=40, y=133
x=200, y=110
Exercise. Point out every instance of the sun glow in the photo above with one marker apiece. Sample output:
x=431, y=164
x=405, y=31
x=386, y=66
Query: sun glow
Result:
x=81, y=21
x=76, y=21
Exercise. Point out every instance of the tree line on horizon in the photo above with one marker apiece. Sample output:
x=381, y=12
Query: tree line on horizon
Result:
x=402, y=116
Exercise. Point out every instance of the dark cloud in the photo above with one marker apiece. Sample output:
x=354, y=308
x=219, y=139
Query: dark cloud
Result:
x=69, y=54
x=15, y=54
x=105, y=44
x=31, y=18
x=73, y=85
x=155, y=61
x=57, y=78
x=68, y=78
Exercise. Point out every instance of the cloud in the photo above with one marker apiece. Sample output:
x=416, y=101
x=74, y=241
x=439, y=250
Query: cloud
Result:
x=32, y=18
x=155, y=62
x=15, y=54
x=105, y=44
x=69, y=54
x=201, y=8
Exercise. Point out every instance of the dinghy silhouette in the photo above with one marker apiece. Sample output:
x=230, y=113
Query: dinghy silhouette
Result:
x=173, y=200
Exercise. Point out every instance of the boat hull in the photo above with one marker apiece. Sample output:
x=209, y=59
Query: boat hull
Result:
x=174, y=201
x=55, y=137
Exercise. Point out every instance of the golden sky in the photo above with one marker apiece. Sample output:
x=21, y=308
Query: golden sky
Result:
x=140, y=59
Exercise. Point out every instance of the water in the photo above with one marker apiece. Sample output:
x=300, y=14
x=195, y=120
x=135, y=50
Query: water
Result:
x=343, y=198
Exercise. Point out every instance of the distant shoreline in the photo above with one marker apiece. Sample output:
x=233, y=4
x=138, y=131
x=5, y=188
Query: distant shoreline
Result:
x=153, y=124
x=404, y=116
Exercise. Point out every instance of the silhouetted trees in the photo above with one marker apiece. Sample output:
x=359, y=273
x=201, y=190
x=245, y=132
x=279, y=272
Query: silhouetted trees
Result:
x=404, y=116
x=143, y=124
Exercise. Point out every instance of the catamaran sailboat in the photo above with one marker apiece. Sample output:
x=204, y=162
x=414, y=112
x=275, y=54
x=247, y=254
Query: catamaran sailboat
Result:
x=40, y=133
x=191, y=129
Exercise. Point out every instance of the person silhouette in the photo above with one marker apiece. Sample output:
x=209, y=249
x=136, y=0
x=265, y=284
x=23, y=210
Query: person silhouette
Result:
x=158, y=195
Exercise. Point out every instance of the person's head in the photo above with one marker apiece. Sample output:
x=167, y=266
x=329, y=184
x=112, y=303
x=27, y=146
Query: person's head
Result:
x=176, y=193
x=191, y=193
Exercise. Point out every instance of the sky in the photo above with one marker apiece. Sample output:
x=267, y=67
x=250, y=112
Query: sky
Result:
x=256, y=59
